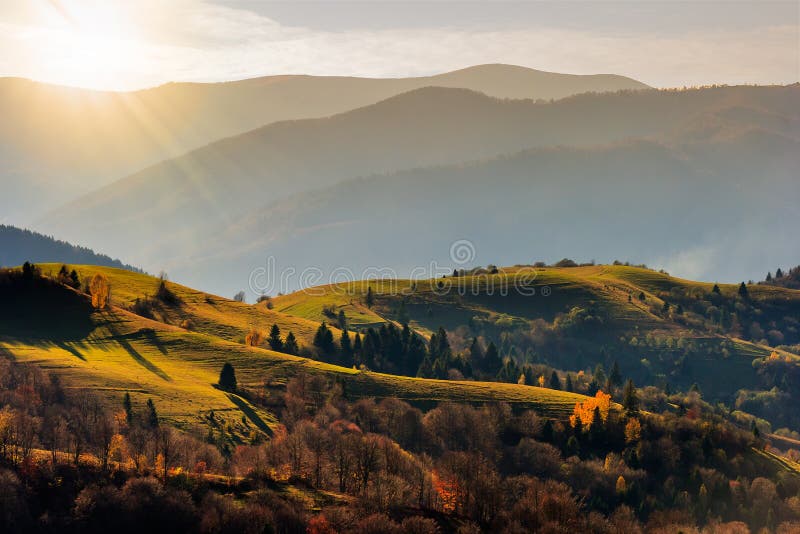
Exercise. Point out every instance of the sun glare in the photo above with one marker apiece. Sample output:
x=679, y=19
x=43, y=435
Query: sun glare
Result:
x=93, y=46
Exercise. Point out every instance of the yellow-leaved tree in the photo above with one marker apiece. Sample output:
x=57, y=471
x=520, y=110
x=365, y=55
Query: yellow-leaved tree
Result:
x=622, y=487
x=100, y=290
x=633, y=430
x=584, y=411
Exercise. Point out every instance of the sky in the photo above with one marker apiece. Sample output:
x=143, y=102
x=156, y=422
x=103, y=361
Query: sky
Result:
x=132, y=44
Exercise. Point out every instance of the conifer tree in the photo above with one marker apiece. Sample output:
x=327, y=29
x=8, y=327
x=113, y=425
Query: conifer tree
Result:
x=152, y=415
x=126, y=404
x=630, y=399
x=599, y=374
x=568, y=385
x=475, y=352
x=370, y=298
x=743, y=290
x=227, y=378
x=323, y=340
x=290, y=345
x=274, y=339
x=357, y=348
x=555, y=382
x=615, y=376
x=492, y=362
x=346, y=349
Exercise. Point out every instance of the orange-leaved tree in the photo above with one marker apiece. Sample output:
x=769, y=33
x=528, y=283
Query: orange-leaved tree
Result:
x=100, y=290
x=254, y=338
x=584, y=411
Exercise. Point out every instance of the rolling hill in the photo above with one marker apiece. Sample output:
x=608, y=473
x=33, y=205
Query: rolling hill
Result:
x=114, y=350
x=568, y=318
x=58, y=142
x=577, y=317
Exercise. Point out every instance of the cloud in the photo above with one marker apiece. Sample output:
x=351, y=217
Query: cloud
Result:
x=188, y=40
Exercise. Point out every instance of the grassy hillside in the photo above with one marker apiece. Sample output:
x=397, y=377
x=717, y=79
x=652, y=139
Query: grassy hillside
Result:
x=650, y=345
x=205, y=313
x=113, y=351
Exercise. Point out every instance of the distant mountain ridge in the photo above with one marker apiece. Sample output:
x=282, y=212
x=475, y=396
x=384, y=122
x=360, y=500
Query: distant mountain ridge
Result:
x=18, y=245
x=662, y=202
x=58, y=142
x=175, y=210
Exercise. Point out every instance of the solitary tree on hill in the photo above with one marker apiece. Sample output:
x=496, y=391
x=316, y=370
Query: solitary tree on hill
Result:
x=227, y=378
x=715, y=289
x=100, y=290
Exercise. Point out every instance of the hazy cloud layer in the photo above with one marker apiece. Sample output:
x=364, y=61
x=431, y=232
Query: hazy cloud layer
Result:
x=134, y=44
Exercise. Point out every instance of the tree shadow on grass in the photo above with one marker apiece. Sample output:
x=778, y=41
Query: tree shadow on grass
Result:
x=249, y=412
x=71, y=349
x=122, y=339
x=152, y=338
